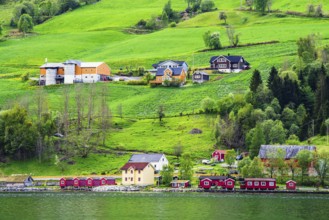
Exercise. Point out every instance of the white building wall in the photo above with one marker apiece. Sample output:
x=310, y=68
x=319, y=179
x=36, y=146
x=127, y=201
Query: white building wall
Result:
x=158, y=166
x=90, y=78
x=51, y=76
x=69, y=73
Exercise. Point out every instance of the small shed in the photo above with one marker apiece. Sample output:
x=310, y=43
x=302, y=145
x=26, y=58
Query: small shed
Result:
x=90, y=182
x=97, y=182
x=83, y=182
x=218, y=155
x=290, y=185
x=205, y=183
x=76, y=182
x=229, y=183
x=110, y=181
x=62, y=182
x=180, y=183
x=200, y=77
x=69, y=181
x=28, y=181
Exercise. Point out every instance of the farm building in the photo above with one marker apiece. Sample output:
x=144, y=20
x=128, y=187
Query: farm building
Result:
x=157, y=160
x=218, y=155
x=290, y=151
x=291, y=185
x=73, y=71
x=229, y=63
x=180, y=183
x=200, y=77
x=141, y=174
x=207, y=181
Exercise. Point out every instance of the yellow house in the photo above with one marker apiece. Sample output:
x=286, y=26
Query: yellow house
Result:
x=141, y=174
x=171, y=74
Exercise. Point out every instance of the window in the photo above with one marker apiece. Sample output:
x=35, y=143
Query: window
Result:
x=222, y=65
x=126, y=179
x=139, y=179
x=235, y=65
x=155, y=166
x=92, y=77
x=86, y=77
x=229, y=183
x=291, y=184
x=221, y=59
x=271, y=184
x=206, y=183
x=263, y=183
x=126, y=171
x=256, y=183
x=131, y=171
x=62, y=182
x=162, y=159
x=132, y=179
x=139, y=172
x=249, y=183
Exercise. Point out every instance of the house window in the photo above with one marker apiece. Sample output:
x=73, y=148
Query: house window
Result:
x=86, y=77
x=155, y=166
x=126, y=179
x=206, y=183
x=221, y=60
x=131, y=171
x=92, y=77
x=271, y=184
x=256, y=183
x=263, y=183
x=291, y=184
x=249, y=183
x=126, y=171
x=139, y=179
x=162, y=159
x=235, y=65
x=222, y=66
x=132, y=179
x=229, y=183
x=139, y=172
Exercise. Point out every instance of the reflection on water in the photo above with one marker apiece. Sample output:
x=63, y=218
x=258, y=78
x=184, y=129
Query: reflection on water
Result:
x=90, y=205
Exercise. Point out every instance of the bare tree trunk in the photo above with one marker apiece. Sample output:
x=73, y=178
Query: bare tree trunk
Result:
x=91, y=102
x=105, y=114
x=66, y=113
x=41, y=102
x=79, y=106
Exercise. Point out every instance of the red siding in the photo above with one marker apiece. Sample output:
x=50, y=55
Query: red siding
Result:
x=62, y=182
x=76, y=182
x=291, y=185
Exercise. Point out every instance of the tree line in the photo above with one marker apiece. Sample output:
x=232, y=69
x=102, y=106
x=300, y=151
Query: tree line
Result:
x=30, y=129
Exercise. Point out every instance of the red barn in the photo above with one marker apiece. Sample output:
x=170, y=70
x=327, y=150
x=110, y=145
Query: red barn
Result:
x=258, y=183
x=62, y=182
x=180, y=183
x=97, y=182
x=207, y=181
x=291, y=185
x=90, y=182
x=218, y=155
x=76, y=182
x=229, y=183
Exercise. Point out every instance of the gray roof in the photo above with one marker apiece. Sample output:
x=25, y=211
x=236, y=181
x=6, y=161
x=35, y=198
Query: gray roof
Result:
x=52, y=65
x=175, y=71
x=179, y=63
x=201, y=72
x=232, y=59
x=145, y=158
x=290, y=150
x=73, y=62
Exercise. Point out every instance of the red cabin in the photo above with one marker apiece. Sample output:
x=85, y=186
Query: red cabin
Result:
x=291, y=185
x=69, y=182
x=103, y=181
x=180, y=183
x=62, y=182
x=82, y=182
x=258, y=183
x=218, y=155
x=110, y=181
x=229, y=183
x=90, y=182
x=207, y=181
x=76, y=182
x=97, y=182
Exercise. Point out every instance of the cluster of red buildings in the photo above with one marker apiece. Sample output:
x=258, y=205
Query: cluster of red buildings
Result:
x=206, y=182
x=85, y=182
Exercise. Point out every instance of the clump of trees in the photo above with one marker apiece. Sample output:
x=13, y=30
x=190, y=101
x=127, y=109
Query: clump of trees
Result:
x=212, y=40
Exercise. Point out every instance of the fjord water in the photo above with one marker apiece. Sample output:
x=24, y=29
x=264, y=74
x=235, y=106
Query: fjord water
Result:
x=90, y=205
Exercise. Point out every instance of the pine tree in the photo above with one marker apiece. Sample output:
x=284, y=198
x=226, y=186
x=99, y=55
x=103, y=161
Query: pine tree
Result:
x=274, y=83
x=255, y=81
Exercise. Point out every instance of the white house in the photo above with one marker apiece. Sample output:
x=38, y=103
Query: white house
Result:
x=157, y=160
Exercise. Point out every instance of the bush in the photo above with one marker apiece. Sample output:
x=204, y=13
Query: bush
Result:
x=25, y=77
x=212, y=40
x=172, y=24
x=207, y=5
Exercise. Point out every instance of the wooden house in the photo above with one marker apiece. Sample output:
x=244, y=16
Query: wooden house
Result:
x=73, y=71
x=97, y=181
x=229, y=63
x=62, y=182
x=200, y=77
x=83, y=182
x=157, y=160
x=258, y=184
x=76, y=182
x=138, y=173
x=90, y=182
x=291, y=185
x=170, y=64
x=170, y=70
x=218, y=155
x=110, y=181
x=207, y=182
x=180, y=183
x=229, y=183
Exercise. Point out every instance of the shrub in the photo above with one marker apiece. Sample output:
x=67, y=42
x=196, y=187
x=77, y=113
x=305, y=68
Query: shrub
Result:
x=25, y=77
x=212, y=40
x=137, y=82
x=172, y=24
x=207, y=5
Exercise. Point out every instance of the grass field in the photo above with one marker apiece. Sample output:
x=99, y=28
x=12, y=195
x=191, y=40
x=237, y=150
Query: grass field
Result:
x=96, y=33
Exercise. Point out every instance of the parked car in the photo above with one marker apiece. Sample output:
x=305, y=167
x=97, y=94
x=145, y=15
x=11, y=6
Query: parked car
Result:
x=239, y=157
x=207, y=162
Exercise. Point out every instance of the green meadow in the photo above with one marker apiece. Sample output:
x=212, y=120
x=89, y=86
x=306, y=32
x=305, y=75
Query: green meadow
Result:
x=97, y=33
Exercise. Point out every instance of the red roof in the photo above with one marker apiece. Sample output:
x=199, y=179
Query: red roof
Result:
x=135, y=166
x=220, y=151
x=259, y=179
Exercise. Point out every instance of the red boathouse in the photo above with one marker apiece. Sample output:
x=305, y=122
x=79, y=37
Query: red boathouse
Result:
x=291, y=185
